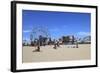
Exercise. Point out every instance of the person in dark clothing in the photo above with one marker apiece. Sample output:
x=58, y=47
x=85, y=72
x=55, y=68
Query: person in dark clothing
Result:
x=58, y=45
x=38, y=47
x=55, y=44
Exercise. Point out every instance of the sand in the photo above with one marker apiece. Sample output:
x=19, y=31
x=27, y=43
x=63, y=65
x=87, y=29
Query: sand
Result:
x=62, y=53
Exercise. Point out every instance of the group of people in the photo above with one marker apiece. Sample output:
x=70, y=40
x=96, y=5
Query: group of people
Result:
x=56, y=44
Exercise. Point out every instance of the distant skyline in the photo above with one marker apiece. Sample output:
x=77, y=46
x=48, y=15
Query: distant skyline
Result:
x=58, y=24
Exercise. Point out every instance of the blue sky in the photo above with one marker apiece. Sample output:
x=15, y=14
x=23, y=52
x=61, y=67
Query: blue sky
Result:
x=58, y=24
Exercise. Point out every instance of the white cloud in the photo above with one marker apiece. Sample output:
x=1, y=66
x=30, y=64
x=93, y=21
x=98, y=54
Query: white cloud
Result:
x=26, y=31
x=83, y=33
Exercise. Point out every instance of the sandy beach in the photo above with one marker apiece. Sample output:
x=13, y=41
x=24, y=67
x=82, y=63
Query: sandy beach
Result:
x=62, y=53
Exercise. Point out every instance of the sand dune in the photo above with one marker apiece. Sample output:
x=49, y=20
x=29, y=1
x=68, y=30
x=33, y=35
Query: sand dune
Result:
x=62, y=53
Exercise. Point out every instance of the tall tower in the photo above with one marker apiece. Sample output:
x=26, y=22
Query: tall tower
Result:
x=31, y=39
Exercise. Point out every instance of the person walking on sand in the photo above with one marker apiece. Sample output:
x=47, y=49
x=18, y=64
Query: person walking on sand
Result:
x=58, y=44
x=55, y=44
x=38, y=46
x=76, y=44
